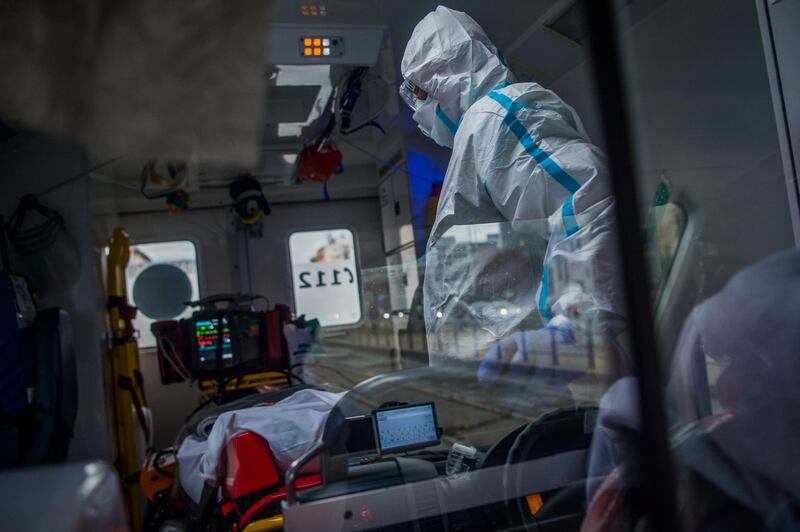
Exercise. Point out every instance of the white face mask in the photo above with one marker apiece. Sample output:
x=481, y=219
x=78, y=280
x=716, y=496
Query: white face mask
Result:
x=433, y=123
x=425, y=115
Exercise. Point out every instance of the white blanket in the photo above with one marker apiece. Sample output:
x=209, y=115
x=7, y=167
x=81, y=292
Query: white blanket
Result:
x=291, y=427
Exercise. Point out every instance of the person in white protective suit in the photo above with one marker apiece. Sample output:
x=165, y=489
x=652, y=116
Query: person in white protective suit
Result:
x=520, y=157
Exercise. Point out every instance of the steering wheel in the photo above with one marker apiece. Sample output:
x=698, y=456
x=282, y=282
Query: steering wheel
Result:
x=556, y=432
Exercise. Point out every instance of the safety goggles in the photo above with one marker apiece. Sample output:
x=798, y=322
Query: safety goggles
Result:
x=413, y=95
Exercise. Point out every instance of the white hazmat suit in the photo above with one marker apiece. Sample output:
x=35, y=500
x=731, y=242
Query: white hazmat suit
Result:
x=521, y=157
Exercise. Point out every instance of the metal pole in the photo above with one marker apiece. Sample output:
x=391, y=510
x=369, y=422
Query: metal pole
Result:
x=659, y=480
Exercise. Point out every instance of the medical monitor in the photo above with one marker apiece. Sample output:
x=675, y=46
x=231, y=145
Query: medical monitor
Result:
x=226, y=341
x=406, y=427
x=207, y=337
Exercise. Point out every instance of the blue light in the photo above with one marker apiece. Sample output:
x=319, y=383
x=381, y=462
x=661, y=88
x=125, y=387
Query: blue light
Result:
x=424, y=169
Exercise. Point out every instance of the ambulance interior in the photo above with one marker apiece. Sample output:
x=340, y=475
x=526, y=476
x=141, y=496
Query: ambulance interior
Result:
x=256, y=160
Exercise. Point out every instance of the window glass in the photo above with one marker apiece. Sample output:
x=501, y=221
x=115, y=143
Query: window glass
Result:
x=515, y=324
x=510, y=319
x=181, y=254
x=725, y=318
x=325, y=276
x=504, y=329
x=473, y=342
x=664, y=225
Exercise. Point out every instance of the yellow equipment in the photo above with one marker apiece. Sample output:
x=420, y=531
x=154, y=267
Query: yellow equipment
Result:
x=158, y=474
x=267, y=524
x=127, y=384
x=209, y=388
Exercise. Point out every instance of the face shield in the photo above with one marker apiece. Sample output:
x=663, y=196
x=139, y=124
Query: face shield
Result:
x=424, y=107
x=412, y=94
x=431, y=120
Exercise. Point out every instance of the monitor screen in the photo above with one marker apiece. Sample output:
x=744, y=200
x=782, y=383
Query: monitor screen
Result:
x=206, y=337
x=406, y=427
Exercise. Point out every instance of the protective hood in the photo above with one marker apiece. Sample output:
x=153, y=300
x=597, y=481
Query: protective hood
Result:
x=451, y=57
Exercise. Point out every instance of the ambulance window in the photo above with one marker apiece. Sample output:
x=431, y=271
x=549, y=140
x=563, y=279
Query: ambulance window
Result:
x=726, y=322
x=180, y=254
x=325, y=276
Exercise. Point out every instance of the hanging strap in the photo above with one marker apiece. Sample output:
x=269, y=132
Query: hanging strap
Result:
x=126, y=383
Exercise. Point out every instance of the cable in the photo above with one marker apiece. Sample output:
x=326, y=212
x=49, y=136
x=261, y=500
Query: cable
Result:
x=201, y=406
x=38, y=237
x=349, y=96
x=76, y=177
x=384, y=162
x=160, y=453
x=149, y=170
x=371, y=123
x=204, y=427
x=100, y=178
x=175, y=362
x=339, y=107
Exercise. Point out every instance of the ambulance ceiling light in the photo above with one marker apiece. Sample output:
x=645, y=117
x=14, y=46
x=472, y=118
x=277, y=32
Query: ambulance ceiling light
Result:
x=321, y=46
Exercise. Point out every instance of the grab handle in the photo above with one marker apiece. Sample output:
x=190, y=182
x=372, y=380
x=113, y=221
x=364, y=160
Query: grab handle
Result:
x=294, y=468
